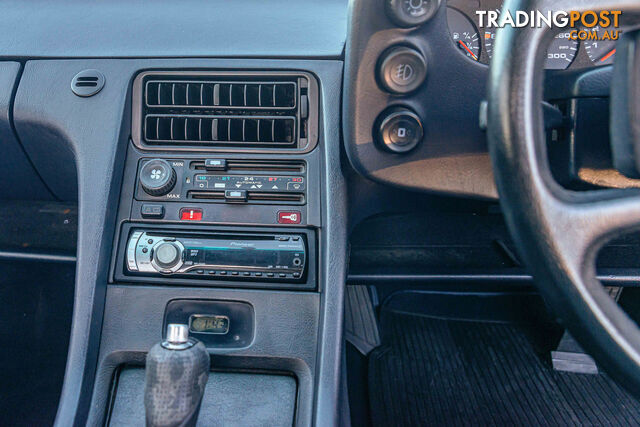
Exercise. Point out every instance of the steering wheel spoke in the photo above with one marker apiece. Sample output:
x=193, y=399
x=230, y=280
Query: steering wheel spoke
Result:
x=584, y=222
x=558, y=232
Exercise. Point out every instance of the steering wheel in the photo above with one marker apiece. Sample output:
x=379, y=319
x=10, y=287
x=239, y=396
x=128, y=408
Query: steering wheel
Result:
x=557, y=231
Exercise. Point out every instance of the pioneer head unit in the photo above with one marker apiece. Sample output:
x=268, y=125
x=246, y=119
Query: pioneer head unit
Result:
x=241, y=256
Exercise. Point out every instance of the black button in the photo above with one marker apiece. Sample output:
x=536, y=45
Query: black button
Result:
x=223, y=273
x=400, y=130
x=234, y=273
x=269, y=274
x=211, y=272
x=258, y=274
x=296, y=275
x=282, y=275
x=145, y=250
x=246, y=273
x=152, y=211
x=402, y=70
x=200, y=271
x=296, y=238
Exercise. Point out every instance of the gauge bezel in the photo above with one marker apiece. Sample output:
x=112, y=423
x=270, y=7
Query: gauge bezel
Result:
x=396, y=13
x=475, y=28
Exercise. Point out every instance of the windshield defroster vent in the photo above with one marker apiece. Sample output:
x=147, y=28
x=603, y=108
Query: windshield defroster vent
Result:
x=226, y=111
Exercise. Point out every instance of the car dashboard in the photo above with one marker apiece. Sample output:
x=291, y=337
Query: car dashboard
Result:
x=248, y=159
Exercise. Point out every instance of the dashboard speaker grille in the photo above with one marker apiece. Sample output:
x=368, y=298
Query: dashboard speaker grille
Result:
x=225, y=110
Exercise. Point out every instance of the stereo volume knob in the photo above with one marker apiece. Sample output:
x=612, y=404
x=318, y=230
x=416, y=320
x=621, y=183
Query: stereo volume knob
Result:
x=167, y=256
x=157, y=177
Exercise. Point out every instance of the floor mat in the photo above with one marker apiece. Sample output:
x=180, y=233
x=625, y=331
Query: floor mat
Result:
x=442, y=372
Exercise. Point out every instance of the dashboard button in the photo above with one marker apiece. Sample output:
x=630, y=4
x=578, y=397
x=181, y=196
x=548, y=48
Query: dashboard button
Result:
x=411, y=13
x=289, y=217
x=400, y=130
x=402, y=70
x=189, y=214
x=152, y=211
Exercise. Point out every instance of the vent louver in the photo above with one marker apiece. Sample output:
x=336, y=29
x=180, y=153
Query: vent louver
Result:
x=213, y=94
x=223, y=111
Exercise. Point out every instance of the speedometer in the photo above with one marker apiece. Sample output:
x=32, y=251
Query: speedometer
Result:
x=561, y=52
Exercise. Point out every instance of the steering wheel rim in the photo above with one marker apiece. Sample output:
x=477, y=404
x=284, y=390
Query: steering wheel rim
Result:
x=558, y=232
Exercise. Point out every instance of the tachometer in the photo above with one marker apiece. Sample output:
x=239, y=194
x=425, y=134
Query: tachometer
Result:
x=601, y=52
x=464, y=33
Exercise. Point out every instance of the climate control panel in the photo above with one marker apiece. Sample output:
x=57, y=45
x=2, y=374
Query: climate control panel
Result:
x=218, y=180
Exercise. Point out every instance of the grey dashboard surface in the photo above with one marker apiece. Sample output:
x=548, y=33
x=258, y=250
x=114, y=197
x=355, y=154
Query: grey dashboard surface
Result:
x=169, y=28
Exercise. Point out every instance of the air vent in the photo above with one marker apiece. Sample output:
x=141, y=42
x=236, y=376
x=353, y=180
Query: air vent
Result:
x=176, y=93
x=232, y=130
x=291, y=166
x=225, y=111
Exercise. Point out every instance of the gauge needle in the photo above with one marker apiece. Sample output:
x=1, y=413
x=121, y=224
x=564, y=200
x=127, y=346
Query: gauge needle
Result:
x=608, y=55
x=464, y=45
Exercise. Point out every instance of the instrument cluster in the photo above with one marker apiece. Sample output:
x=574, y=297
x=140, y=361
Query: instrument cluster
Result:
x=477, y=41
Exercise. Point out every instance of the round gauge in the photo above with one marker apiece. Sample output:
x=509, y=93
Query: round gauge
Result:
x=490, y=38
x=601, y=52
x=561, y=52
x=464, y=33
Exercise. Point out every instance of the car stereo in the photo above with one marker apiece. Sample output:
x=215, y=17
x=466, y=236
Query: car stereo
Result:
x=217, y=255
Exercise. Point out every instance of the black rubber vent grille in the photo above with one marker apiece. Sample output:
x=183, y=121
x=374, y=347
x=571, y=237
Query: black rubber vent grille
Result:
x=220, y=130
x=212, y=94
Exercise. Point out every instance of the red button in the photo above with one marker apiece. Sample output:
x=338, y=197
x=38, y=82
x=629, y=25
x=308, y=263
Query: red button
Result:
x=289, y=217
x=188, y=214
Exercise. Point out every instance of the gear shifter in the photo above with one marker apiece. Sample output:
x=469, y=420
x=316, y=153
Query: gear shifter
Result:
x=177, y=371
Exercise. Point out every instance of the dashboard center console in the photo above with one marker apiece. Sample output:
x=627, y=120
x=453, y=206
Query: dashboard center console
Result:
x=215, y=149
x=222, y=224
